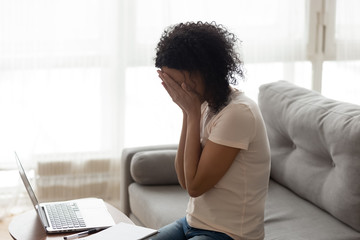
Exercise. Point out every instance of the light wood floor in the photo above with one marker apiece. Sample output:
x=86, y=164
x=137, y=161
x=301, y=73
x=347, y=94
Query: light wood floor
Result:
x=4, y=233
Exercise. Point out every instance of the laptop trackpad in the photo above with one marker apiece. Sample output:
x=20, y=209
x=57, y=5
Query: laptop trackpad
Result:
x=94, y=212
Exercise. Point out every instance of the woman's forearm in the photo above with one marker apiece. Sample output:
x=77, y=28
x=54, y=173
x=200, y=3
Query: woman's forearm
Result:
x=179, y=160
x=192, y=151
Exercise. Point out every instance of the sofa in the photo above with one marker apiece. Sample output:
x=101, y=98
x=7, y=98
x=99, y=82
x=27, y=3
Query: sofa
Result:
x=314, y=187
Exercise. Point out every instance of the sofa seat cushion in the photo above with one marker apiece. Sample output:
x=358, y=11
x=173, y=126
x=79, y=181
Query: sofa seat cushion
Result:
x=315, y=147
x=157, y=206
x=287, y=216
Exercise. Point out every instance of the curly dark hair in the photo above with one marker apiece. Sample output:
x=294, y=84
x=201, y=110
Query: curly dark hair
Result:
x=208, y=48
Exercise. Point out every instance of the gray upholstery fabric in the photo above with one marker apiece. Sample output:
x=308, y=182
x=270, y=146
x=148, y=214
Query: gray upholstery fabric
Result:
x=315, y=147
x=157, y=206
x=289, y=217
x=125, y=175
x=154, y=167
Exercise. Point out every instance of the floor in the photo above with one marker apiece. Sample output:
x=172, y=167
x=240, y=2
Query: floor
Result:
x=4, y=233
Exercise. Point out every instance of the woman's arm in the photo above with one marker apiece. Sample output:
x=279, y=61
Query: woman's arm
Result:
x=204, y=172
x=198, y=169
x=192, y=150
x=179, y=159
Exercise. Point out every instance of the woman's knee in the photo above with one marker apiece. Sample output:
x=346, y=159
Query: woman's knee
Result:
x=172, y=231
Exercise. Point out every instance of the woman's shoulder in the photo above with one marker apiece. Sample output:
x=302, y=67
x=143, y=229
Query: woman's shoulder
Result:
x=239, y=100
x=238, y=104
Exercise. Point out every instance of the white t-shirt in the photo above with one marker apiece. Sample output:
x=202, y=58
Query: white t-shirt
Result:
x=235, y=205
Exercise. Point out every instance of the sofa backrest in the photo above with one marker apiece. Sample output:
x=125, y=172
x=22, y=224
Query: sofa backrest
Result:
x=315, y=147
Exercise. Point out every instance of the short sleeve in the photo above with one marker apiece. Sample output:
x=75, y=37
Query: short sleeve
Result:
x=234, y=127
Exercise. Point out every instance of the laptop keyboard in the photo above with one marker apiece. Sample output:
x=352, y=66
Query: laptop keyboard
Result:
x=65, y=216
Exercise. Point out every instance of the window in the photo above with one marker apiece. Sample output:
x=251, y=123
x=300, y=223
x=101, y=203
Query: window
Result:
x=341, y=71
x=77, y=77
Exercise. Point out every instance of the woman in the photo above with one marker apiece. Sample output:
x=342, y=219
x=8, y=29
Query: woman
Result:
x=223, y=158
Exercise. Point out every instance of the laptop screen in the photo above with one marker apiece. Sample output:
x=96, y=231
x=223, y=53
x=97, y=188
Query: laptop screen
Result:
x=26, y=182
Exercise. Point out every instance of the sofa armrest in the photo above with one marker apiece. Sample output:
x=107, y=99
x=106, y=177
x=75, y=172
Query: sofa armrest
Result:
x=125, y=171
x=155, y=167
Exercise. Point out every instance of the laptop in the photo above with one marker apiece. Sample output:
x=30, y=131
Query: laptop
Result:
x=68, y=216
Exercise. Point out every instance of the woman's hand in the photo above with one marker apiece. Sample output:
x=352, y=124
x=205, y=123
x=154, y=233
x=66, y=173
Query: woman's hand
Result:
x=184, y=96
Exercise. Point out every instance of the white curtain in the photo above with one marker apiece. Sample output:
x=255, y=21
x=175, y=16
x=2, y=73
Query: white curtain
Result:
x=61, y=98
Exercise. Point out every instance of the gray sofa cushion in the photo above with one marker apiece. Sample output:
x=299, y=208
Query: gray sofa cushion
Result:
x=288, y=217
x=315, y=147
x=154, y=167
